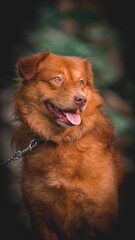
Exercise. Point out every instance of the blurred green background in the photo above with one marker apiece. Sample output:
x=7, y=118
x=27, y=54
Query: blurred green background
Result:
x=100, y=30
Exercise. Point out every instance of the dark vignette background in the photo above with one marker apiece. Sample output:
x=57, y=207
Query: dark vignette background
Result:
x=16, y=18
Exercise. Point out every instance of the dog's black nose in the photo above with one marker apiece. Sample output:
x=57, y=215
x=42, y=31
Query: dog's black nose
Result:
x=80, y=100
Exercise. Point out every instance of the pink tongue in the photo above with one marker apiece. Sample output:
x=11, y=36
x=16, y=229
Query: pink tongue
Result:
x=73, y=118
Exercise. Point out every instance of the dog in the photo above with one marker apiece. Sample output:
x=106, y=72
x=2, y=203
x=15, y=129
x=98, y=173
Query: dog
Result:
x=72, y=179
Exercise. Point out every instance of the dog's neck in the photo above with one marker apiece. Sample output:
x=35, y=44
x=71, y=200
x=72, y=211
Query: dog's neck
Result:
x=24, y=134
x=49, y=132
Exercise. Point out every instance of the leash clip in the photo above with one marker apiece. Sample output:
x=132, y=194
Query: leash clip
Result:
x=20, y=153
x=32, y=144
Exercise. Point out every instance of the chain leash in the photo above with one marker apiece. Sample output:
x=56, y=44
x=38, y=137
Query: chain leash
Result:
x=33, y=143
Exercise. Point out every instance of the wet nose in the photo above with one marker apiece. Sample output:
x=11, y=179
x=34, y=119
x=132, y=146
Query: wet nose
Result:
x=80, y=100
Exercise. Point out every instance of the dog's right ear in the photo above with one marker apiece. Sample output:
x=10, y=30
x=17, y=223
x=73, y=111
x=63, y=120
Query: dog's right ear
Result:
x=27, y=66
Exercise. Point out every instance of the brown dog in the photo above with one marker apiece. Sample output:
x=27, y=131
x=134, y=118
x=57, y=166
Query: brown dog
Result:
x=71, y=182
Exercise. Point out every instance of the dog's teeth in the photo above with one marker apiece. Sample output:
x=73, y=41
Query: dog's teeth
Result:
x=54, y=109
x=57, y=109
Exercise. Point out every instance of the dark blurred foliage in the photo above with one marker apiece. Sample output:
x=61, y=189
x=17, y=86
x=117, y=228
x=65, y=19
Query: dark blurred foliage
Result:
x=103, y=32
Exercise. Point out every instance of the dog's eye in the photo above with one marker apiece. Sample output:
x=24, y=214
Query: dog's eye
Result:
x=81, y=82
x=57, y=79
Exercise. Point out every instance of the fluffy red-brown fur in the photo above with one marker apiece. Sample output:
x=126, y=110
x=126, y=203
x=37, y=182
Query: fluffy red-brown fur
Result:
x=71, y=182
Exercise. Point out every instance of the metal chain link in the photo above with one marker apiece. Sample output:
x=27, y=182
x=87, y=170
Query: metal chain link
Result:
x=20, y=153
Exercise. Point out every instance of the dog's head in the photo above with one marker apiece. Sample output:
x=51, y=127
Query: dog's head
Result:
x=56, y=92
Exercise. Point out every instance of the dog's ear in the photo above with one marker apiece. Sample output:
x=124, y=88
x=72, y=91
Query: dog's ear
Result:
x=88, y=72
x=27, y=66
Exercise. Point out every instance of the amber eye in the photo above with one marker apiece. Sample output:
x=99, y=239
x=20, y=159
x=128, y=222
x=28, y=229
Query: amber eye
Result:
x=81, y=82
x=57, y=79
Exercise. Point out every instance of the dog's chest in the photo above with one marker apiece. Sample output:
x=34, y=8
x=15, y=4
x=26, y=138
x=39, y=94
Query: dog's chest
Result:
x=66, y=162
x=70, y=166
x=69, y=178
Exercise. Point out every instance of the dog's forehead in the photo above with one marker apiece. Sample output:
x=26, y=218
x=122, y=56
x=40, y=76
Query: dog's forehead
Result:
x=62, y=63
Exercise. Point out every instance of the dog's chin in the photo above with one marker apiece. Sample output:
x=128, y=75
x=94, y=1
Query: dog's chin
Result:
x=64, y=117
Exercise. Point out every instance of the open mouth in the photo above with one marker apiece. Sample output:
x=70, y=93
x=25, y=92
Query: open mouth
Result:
x=69, y=117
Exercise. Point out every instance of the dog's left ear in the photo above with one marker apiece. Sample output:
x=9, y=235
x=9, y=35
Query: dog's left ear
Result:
x=88, y=72
x=27, y=66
